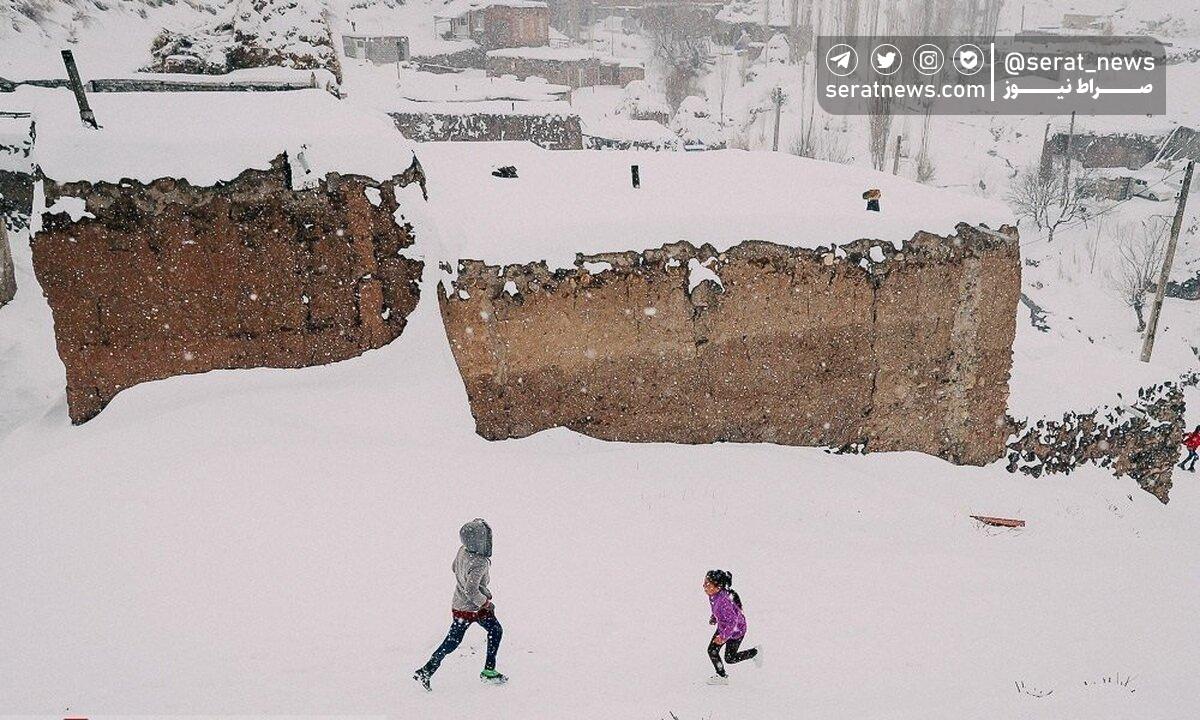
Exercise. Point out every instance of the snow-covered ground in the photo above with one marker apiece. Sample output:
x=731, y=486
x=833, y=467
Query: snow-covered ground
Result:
x=279, y=541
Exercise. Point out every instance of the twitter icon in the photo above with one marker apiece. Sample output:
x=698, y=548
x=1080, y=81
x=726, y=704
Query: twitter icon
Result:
x=886, y=59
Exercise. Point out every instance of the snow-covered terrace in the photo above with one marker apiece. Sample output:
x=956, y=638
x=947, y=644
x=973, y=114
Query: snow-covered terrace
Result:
x=208, y=137
x=564, y=202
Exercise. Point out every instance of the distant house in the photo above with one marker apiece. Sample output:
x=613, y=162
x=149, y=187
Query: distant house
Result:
x=1125, y=164
x=573, y=67
x=495, y=23
x=1129, y=150
x=379, y=48
x=1091, y=24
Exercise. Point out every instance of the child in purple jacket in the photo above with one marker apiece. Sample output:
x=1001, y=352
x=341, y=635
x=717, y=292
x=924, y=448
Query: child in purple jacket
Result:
x=731, y=625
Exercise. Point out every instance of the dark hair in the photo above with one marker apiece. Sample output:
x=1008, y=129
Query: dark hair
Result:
x=724, y=580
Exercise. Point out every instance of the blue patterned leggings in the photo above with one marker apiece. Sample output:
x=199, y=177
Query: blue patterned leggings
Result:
x=454, y=638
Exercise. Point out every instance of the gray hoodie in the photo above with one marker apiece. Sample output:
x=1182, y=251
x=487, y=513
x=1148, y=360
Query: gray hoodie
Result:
x=471, y=567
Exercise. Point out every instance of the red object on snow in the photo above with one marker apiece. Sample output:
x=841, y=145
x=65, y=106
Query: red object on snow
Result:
x=1192, y=441
x=999, y=522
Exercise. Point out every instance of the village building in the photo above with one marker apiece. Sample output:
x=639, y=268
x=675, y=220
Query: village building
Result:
x=379, y=47
x=574, y=67
x=1124, y=164
x=495, y=23
x=275, y=243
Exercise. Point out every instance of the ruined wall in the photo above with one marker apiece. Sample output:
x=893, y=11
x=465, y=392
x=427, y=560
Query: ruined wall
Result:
x=793, y=346
x=1140, y=439
x=555, y=132
x=169, y=278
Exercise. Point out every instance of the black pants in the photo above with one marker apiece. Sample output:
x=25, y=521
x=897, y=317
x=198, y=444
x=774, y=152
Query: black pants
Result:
x=454, y=638
x=1191, y=457
x=731, y=653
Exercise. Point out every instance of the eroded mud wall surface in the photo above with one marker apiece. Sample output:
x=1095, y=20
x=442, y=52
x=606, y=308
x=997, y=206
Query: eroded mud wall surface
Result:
x=897, y=350
x=168, y=278
x=8, y=280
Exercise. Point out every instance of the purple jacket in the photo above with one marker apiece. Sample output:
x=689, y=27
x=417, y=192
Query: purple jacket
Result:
x=731, y=623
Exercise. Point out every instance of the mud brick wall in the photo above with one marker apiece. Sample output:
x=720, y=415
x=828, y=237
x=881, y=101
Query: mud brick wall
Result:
x=554, y=132
x=8, y=280
x=795, y=346
x=168, y=278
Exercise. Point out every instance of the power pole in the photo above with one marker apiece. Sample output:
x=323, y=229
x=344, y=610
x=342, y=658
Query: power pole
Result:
x=1152, y=326
x=85, y=112
x=1067, y=161
x=896, y=156
x=777, y=97
x=1044, y=170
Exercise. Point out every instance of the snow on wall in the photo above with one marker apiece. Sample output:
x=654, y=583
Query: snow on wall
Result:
x=760, y=343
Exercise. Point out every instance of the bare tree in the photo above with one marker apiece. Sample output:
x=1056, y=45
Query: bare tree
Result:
x=880, y=122
x=1039, y=197
x=680, y=38
x=925, y=167
x=1140, y=250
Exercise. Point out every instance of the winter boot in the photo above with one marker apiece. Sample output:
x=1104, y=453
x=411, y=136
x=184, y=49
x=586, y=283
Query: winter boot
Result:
x=422, y=676
x=491, y=676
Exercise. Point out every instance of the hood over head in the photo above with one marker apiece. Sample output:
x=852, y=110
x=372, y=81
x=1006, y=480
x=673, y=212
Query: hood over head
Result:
x=476, y=537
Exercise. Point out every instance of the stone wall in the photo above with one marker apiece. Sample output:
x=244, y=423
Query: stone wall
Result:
x=1139, y=439
x=823, y=347
x=169, y=278
x=555, y=132
x=17, y=135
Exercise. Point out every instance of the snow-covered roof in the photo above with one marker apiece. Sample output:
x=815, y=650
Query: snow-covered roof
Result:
x=546, y=52
x=458, y=8
x=468, y=86
x=612, y=127
x=207, y=137
x=568, y=201
x=740, y=12
x=485, y=107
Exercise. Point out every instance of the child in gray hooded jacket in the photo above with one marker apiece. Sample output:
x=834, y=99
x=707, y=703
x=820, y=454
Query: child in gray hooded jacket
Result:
x=472, y=603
